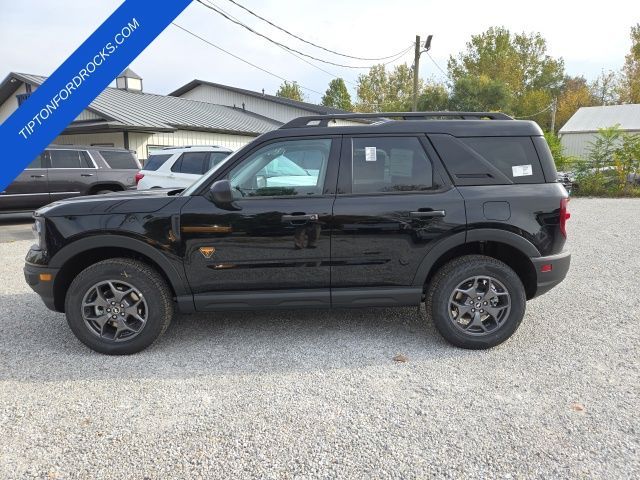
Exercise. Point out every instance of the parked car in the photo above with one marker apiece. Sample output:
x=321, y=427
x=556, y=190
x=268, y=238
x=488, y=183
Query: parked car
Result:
x=179, y=167
x=64, y=171
x=463, y=214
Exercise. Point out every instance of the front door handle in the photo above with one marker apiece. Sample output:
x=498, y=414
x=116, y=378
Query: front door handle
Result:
x=427, y=214
x=86, y=174
x=37, y=176
x=302, y=218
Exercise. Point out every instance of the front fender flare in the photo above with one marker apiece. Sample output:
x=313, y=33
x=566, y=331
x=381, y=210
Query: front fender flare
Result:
x=77, y=247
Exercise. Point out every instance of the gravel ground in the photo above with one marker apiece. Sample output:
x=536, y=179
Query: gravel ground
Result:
x=317, y=394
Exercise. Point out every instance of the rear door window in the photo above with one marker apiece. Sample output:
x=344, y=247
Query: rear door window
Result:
x=122, y=160
x=154, y=162
x=390, y=164
x=515, y=157
x=36, y=162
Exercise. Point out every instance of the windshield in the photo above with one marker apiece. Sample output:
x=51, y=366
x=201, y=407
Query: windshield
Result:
x=204, y=178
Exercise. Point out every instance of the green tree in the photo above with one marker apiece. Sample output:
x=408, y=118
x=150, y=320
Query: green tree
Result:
x=479, y=93
x=290, y=90
x=382, y=91
x=575, y=93
x=518, y=61
x=433, y=97
x=337, y=95
x=605, y=89
x=630, y=82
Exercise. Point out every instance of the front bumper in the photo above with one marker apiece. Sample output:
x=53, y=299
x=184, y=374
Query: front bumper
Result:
x=44, y=288
x=550, y=270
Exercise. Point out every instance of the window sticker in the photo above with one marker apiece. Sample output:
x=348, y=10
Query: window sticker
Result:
x=370, y=154
x=522, y=170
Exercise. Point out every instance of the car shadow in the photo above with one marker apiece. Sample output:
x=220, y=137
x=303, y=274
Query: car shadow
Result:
x=37, y=345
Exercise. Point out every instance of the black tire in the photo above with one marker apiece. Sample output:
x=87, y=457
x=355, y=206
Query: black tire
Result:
x=103, y=192
x=145, y=280
x=447, y=280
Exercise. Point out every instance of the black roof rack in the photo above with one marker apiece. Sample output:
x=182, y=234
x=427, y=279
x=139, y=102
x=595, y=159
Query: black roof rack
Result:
x=323, y=120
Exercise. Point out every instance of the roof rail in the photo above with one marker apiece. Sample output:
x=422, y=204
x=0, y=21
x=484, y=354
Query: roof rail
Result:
x=323, y=120
x=193, y=146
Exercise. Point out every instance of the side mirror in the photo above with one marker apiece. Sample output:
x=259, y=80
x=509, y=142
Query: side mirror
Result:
x=221, y=194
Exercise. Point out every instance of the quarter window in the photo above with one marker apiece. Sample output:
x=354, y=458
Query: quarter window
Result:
x=154, y=162
x=191, y=163
x=390, y=164
x=116, y=159
x=516, y=157
x=274, y=171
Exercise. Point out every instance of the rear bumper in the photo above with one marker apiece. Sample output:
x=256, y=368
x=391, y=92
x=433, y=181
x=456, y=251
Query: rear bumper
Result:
x=44, y=288
x=559, y=266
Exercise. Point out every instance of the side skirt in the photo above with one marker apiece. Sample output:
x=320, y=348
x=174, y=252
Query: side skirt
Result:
x=308, y=298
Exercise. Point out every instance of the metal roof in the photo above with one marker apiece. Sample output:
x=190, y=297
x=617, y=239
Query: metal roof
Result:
x=590, y=119
x=127, y=110
x=310, y=107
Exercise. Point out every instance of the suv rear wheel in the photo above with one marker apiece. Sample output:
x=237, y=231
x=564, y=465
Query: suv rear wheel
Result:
x=109, y=306
x=476, y=302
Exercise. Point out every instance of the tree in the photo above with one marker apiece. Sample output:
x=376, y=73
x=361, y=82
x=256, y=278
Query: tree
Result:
x=479, y=93
x=517, y=61
x=337, y=95
x=605, y=88
x=290, y=90
x=630, y=82
x=433, y=97
x=379, y=91
x=575, y=93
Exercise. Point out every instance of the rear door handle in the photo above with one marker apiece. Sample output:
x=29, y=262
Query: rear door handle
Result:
x=86, y=174
x=427, y=214
x=302, y=218
x=37, y=176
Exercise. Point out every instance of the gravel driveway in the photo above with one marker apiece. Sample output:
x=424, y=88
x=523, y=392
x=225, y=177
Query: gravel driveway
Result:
x=317, y=394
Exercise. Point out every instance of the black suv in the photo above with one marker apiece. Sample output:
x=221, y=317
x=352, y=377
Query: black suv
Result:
x=64, y=171
x=459, y=210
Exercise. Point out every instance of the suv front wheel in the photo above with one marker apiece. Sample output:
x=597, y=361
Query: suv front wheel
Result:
x=118, y=306
x=476, y=302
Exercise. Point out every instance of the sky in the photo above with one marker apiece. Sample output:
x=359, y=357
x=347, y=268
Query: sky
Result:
x=36, y=36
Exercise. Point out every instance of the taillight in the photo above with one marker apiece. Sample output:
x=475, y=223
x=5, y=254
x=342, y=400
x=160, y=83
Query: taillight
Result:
x=564, y=216
x=139, y=176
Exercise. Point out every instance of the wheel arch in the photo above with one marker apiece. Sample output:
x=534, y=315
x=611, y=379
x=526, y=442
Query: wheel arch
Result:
x=502, y=245
x=78, y=255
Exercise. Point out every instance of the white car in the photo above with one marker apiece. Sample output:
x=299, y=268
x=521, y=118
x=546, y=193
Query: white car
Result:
x=179, y=167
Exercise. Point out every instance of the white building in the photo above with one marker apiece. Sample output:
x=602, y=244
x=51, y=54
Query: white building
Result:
x=582, y=127
x=271, y=106
x=128, y=117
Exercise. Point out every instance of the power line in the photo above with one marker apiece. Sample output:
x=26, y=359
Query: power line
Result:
x=537, y=113
x=331, y=74
x=241, y=59
x=446, y=75
x=311, y=43
x=237, y=22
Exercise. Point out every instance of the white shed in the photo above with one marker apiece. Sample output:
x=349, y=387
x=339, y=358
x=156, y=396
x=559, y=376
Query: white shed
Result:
x=582, y=127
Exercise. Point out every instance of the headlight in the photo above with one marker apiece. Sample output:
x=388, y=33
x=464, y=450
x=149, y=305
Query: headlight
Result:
x=39, y=232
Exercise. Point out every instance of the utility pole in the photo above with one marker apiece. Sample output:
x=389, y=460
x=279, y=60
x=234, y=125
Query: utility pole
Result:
x=554, y=108
x=416, y=67
x=416, y=70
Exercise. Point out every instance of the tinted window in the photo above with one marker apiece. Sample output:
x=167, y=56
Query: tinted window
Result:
x=216, y=157
x=390, y=164
x=192, y=162
x=117, y=159
x=515, y=157
x=36, y=163
x=270, y=171
x=154, y=162
x=66, y=159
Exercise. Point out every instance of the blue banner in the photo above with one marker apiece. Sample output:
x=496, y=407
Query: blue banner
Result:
x=80, y=79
